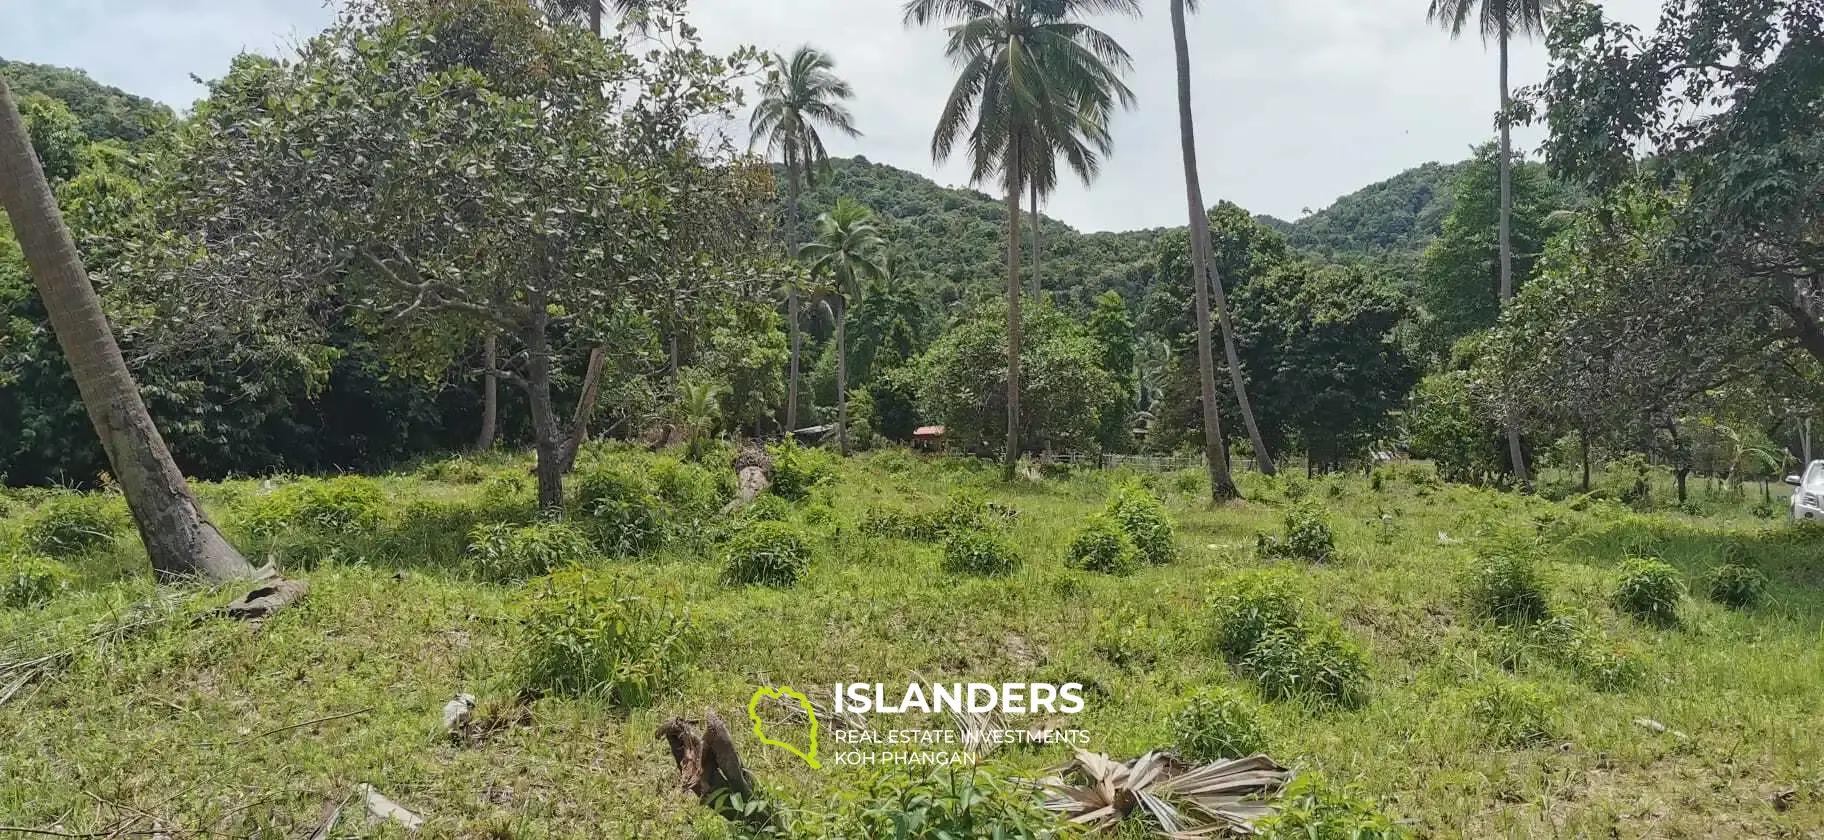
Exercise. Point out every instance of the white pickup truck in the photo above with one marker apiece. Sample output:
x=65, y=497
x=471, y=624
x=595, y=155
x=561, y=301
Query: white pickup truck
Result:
x=1808, y=495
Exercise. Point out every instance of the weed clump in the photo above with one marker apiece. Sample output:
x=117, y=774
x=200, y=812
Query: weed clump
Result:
x=1258, y=603
x=309, y=521
x=620, y=510
x=798, y=470
x=1311, y=808
x=1737, y=586
x=503, y=552
x=692, y=494
x=944, y=803
x=1649, y=590
x=29, y=581
x=766, y=553
x=1215, y=725
x=1101, y=545
x=585, y=636
x=1307, y=535
x=984, y=552
x=1509, y=713
x=1143, y=517
x=68, y=524
x=457, y=470
x=1578, y=646
x=1507, y=587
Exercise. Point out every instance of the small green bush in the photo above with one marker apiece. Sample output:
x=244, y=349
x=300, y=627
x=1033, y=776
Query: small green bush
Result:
x=898, y=523
x=619, y=508
x=1737, y=586
x=986, y=553
x=503, y=552
x=765, y=508
x=1509, y=713
x=692, y=494
x=1313, y=663
x=344, y=505
x=797, y=470
x=585, y=636
x=1101, y=545
x=69, y=524
x=768, y=553
x=457, y=470
x=1507, y=587
x=1649, y=590
x=1307, y=535
x=948, y=804
x=1580, y=647
x=1253, y=605
x=1310, y=808
x=1215, y=725
x=30, y=581
x=1143, y=517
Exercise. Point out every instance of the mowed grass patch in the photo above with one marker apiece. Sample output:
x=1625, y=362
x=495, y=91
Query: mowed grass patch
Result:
x=175, y=720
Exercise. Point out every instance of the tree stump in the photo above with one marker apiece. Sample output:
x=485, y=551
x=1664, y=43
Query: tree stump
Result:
x=709, y=766
x=754, y=469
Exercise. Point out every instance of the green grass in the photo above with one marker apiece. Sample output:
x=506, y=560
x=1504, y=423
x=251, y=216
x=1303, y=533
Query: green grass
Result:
x=170, y=719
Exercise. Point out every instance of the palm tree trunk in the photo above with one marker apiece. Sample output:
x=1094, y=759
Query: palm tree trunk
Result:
x=1263, y=460
x=1012, y=457
x=179, y=539
x=1505, y=233
x=1222, y=483
x=842, y=375
x=595, y=17
x=1037, y=286
x=791, y=300
x=490, y=392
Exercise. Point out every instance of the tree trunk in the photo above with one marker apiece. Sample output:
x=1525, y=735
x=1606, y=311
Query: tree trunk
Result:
x=1805, y=440
x=1583, y=444
x=549, y=468
x=179, y=538
x=595, y=17
x=1037, y=286
x=842, y=376
x=791, y=302
x=585, y=410
x=1505, y=236
x=1012, y=459
x=490, y=392
x=1222, y=483
x=1681, y=474
x=1262, y=459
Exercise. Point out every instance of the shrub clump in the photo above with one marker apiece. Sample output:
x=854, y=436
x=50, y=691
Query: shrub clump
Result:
x=1509, y=713
x=1507, y=587
x=1215, y=725
x=341, y=505
x=73, y=523
x=1578, y=646
x=1649, y=590
x=1307, y=535
x=1311, y=808
x=585, y=636
x=30, y=581
x=1143, y=517
x=768, y=553
x=1309, y=662
x=799, y=470
x=619, y=508
x=503, y=552
x=983, y=552
x=1101, y=545
x=1258, y=603
x=690, y=492
x=1737, y=586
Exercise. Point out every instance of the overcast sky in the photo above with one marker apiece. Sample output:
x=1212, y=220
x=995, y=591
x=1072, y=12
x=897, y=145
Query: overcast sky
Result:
x=1298, y=101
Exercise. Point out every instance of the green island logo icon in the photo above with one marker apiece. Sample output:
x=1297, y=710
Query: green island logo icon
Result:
x=785, y=692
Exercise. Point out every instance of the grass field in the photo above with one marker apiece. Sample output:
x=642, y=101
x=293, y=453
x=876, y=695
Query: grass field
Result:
x=1473, y=718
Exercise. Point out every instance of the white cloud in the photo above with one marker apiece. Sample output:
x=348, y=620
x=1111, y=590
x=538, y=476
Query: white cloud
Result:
x=1297, y=101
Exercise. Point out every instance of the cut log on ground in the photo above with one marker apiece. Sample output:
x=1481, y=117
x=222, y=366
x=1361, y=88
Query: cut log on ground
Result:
x=710, y=767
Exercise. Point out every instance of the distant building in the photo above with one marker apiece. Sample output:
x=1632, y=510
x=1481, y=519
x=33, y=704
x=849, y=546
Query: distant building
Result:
x=928, y=437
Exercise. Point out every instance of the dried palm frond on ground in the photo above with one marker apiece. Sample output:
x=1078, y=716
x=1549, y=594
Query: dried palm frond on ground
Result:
x=30, y=659
x=1180, y=800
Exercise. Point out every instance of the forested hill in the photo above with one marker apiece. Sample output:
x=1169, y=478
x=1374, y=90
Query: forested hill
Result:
x=957, y=236
x=107, y=113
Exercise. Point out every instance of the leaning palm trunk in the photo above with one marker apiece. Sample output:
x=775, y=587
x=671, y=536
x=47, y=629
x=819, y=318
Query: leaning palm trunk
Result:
x=180, y=540
x=1505, y=236
x=1013, y=310
x=1222, y=483
x=1263, y=460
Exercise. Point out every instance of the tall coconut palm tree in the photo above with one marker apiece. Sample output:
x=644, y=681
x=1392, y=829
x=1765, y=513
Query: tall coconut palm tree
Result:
x=179, y=538
x=1034, y=84
x=800, y=93
x=1207, y=281
x=848, y=251
x=1500, y=21
x=591, y=12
